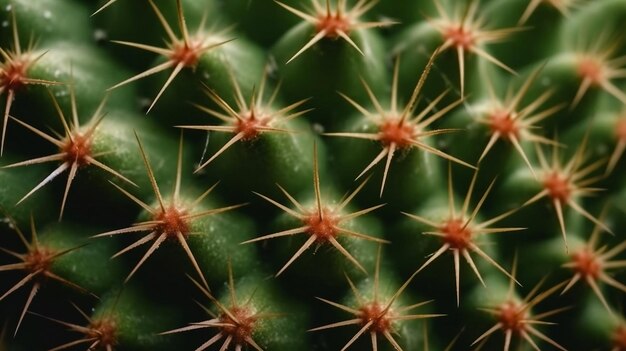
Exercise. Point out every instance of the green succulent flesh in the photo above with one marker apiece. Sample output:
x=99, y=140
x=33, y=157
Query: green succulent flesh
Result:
x=312, y=175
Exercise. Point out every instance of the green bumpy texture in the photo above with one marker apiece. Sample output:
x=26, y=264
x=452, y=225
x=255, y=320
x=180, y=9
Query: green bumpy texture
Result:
x=312, y=175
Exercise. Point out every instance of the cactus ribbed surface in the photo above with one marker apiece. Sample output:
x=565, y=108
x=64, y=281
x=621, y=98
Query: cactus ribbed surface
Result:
x=312, y=175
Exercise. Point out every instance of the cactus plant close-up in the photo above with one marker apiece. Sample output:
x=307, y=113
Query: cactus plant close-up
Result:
x=279, y=175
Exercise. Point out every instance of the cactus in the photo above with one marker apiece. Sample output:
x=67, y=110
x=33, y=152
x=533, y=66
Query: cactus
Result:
x=298, y=173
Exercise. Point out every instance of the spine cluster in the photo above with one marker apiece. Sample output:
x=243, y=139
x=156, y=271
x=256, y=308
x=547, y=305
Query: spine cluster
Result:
x=312, y=175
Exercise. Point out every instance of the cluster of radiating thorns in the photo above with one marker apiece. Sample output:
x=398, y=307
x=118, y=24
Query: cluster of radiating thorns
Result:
x=509, y=118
